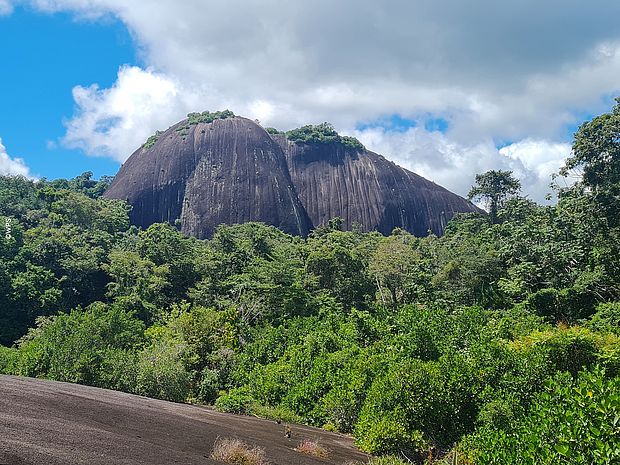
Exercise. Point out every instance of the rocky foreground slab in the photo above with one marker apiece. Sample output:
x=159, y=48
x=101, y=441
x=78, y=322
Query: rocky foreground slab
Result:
x=51, y=423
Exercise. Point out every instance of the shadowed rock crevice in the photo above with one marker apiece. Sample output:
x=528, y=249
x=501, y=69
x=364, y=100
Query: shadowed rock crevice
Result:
x=232, y=171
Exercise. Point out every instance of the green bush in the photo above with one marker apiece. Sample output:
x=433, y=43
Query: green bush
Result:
x=236, y=401
x=8, y=359
x=162, y=373
x=567, y=349
x=152, y=140
x=387, y=460
x=500, y=411
x=399, y=404
x=195, y=118
x=606, y=318
x=78, y=347
x=567, y=305
x=119, y=369
x=275, y=413
x=323, y=133
x=342, y=404
x=514, y=323
x=209, y=386
x=572, y=422
x=390, y=434
x=208, y=116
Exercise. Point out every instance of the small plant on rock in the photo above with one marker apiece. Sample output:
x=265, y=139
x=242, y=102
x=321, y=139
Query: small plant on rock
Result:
x=312, y=448
x=237, y=452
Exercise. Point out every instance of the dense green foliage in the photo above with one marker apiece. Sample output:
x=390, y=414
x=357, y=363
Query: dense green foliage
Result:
x=494, y=188
x=205, y=117
x=208, y=116
x=273, y=131
x=502, y=336
x=192, y=120
x=323, y=133
x=583, y=429
x=152, y=140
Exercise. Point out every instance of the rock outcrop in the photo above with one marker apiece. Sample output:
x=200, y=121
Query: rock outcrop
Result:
x=227, y=171
x=230, y=170
x=364, y=187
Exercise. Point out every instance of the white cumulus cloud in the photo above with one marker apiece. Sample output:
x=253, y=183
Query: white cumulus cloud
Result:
x=12, y=166
x=454, y=165
x=6, y=7
x=114, y=122
x=538, y=160
x=496, y=71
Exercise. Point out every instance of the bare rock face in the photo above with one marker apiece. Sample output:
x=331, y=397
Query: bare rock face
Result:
x=228, y=171
x=363, y=187
x=232, y=171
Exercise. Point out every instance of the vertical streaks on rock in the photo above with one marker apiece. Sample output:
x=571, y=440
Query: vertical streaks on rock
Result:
x=232, y=171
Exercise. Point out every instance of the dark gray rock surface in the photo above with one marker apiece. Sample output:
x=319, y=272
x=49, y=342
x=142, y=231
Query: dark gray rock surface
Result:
x=228, y=171
x=364, y=187
x=232, y=171
x=45, y=422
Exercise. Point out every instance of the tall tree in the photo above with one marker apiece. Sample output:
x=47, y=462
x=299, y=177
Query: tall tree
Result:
x=494, y=188
x=596, y=156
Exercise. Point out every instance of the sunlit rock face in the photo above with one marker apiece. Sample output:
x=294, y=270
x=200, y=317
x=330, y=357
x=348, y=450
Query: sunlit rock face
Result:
x=363, y=187
x=231, y=170
x=228, y=171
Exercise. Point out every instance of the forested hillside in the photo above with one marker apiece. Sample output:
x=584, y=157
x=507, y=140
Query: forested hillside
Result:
x=498, y=342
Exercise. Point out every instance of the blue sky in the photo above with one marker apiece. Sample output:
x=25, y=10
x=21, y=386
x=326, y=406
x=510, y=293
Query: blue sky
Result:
x=446, y=89
x=44, y=56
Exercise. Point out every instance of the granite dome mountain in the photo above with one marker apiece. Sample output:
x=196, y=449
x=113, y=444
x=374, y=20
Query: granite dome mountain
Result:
x=215, y=168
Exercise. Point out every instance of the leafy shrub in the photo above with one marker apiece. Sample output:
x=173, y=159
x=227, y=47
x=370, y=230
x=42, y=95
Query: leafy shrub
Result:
x=383, y=460
x=608, y=355
x=569, y=304
x=399, y=405
x=204, y=117
x=514, y=323
x=275, y=413
x=8, y=358
x=500, y=411
x=273, y=131
x=387, y=460
x=606, y=318
x=236, y=401
x=78, y=346
x=271, y=382
x=572, y=422
x=208, y=117
x=161, y=372
x=343, y=402
x=323, y=133
x=119, y=370
x=567, y=349
x=389, y=434
x=209, y=386
x=152, y=140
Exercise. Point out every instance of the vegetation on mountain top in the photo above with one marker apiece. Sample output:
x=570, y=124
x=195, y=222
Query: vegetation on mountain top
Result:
x=494, y=188
x=501, y=337
x=193, y=119
x=323, y=133
x=152, y=140
x=208, y=116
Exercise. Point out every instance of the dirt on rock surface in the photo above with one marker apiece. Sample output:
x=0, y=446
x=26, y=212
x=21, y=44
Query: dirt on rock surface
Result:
x=51, y=423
